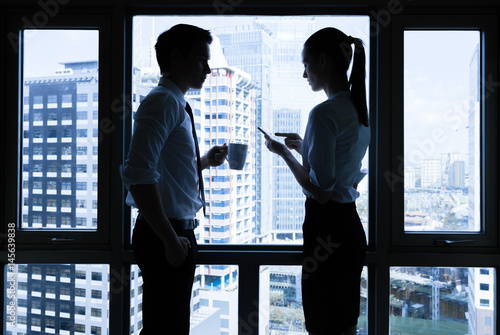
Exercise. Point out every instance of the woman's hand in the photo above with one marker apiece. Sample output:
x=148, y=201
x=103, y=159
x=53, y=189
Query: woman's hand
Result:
x=275, y=146
x=293, y=141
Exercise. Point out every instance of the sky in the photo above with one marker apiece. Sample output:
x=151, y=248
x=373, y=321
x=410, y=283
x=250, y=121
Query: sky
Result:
x=437, y=92
x=436, y=72
x=45, y=49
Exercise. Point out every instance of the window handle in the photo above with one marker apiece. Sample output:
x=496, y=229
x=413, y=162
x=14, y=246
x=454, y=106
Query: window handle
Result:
x=453, y=242
x=61, y=240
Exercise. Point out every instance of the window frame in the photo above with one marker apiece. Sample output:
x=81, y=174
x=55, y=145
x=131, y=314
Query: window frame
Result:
x=59, y=238
x=116, y=251
x=448, y=241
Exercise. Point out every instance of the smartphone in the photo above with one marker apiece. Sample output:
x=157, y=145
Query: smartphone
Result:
x=265, y=132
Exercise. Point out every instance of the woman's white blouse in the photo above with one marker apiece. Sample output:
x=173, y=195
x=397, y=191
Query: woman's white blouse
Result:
x=334, y=144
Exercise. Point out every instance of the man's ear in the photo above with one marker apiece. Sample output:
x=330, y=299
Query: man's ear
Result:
x=175, y=58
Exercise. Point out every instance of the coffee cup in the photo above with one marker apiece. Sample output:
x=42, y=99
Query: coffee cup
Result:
x=237, y=155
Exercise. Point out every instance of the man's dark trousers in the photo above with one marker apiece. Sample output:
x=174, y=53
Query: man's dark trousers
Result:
x=166, y=289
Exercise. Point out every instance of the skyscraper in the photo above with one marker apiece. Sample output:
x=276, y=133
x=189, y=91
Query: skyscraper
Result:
x=250, y=48
x=291, y=103
x=431, y=173
x=60, y=139
x=481, y=281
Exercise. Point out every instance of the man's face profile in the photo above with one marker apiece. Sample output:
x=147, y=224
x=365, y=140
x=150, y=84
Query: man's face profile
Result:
x=193, y=68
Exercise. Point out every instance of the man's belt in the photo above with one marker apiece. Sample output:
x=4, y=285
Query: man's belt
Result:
x=184, y=224
x=178, y=224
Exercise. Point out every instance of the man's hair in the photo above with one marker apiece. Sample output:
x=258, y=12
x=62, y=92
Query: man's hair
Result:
x=180, y=37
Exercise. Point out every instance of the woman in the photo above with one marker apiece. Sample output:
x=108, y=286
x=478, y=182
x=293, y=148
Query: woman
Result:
x=335, y=141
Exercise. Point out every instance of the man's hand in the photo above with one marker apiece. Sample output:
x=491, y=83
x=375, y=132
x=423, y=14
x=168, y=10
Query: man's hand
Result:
x=293, y=141
x=215, y=156
x=176, y=251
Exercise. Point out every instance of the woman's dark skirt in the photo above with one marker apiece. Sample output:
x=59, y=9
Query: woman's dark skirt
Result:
x=334, y=253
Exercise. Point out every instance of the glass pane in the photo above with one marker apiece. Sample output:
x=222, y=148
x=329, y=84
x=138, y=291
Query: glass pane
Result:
x=60, y=129
x=57, y=299
x=427, y=300
x=281, y=301
x=256, y=81
x=214, y=300
x=441, y=127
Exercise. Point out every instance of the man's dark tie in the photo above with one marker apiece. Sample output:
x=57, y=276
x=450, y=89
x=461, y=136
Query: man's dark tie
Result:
x=198, y=160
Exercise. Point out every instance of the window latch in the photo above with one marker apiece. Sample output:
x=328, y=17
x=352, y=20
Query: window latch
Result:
x=453, y=242
x=61, y=240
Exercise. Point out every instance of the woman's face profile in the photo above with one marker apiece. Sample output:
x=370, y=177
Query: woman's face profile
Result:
x=312, y=70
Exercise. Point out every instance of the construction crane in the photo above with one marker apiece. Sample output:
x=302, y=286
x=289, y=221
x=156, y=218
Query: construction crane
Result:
x=435, y=294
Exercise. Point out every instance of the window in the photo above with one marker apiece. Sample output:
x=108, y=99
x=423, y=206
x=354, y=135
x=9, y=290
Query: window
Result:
x=82, y=132
x=82, y=97
x=67, y=100
x=52, y=101
x=253, y=245
x=96, y=312
x=80, y=274
x=96, y=294
x=50, y=55
x=484, y=287
x=285, y=112
x=94, y=330
x=81, y=115
x=80, y=328
x=441, y=179
x=484, y=271
x=442, y=131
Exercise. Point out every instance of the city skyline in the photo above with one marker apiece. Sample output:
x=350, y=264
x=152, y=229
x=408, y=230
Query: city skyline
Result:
x=222, y=272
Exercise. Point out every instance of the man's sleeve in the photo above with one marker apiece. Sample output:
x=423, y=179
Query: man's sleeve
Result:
x=154, y=121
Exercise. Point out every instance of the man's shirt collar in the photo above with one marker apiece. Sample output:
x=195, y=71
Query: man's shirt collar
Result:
x=169, y=84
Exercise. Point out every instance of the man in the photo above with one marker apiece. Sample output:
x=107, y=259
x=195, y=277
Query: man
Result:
x=162, y=173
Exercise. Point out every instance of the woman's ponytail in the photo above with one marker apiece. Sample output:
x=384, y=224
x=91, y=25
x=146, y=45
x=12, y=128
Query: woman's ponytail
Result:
x=357, y=81
x=335, y=43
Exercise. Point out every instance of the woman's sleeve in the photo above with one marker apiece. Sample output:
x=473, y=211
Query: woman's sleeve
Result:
x=321, y=139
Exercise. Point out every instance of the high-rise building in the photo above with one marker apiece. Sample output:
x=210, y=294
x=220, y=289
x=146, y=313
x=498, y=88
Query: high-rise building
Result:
x=228, y=105
x=250, y=48
x=481, y=301
x=61, y=299
x=291, y=103
x=60, y=139
x=409, y=177
x=474, y=126
x=431, y=173
x=481, y=281
x=456, y=175
x=288, y=203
